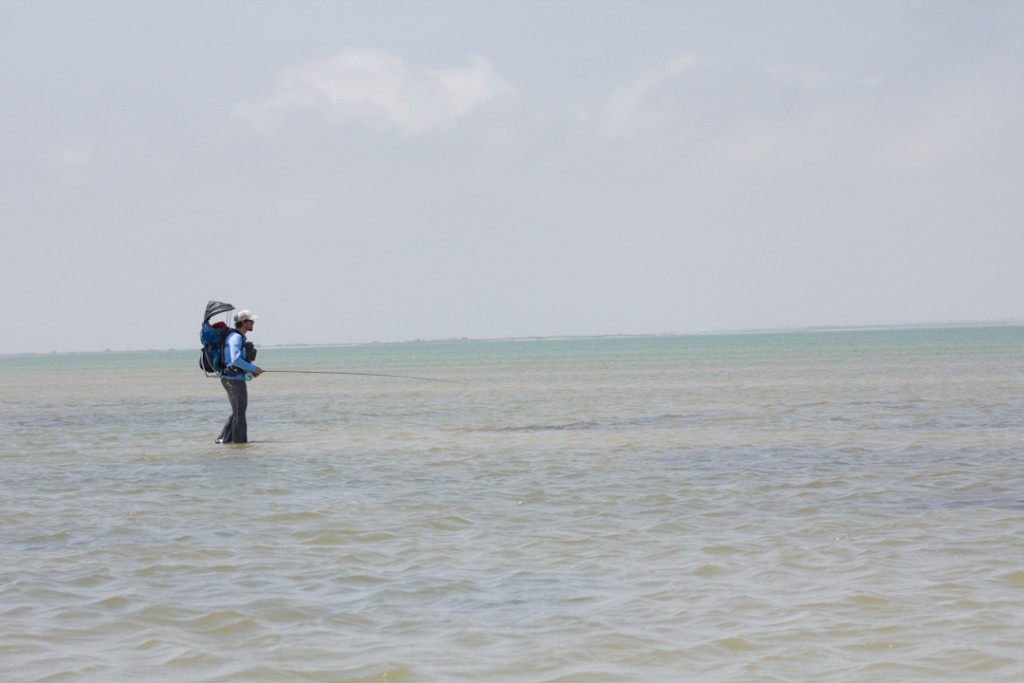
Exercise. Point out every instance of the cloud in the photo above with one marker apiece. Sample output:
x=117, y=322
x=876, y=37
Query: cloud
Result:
x=808, y=77
x=378, y=89
x=628, y=109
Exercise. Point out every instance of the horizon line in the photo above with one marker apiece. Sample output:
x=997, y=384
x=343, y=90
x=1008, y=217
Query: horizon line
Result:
x=703, y=332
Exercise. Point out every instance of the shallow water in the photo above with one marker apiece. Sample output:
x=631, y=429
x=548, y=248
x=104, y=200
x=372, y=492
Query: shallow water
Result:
x=838, y=506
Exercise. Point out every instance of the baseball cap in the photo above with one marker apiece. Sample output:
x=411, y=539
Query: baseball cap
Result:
x=242, y=316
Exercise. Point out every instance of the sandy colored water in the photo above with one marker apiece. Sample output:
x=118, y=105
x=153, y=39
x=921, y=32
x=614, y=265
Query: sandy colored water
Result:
x=830, y=507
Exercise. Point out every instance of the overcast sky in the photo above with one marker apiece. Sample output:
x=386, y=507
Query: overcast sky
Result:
x=386, y=171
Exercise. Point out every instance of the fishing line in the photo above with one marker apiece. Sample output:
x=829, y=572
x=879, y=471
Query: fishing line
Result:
x=363, y=374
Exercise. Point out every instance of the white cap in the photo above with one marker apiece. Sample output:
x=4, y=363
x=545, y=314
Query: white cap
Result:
x=242, y=316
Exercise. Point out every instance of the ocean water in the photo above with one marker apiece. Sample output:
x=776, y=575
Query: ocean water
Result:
x=805, y=506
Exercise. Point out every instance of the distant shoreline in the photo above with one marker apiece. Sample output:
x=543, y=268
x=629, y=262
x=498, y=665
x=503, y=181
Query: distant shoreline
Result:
x=698, y=333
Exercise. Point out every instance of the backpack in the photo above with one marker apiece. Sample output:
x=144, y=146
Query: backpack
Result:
x=211, y=359
x=212, y=337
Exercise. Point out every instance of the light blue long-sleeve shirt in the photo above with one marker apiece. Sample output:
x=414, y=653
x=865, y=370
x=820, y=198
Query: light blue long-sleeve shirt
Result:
x=235, y=356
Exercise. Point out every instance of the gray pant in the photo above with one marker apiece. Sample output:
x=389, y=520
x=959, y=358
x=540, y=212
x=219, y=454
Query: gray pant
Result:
x=235, y=430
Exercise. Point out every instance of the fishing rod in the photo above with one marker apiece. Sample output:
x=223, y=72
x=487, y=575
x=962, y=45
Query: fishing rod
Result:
x=363, y=374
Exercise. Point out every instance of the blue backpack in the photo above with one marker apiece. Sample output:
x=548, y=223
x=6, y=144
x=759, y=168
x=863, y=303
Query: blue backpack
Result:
x=212, y=337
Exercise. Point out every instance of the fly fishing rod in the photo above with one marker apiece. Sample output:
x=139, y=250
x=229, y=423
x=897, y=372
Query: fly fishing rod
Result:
x=363, y=374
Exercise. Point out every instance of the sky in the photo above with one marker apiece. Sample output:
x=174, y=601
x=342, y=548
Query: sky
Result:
x=360, y=171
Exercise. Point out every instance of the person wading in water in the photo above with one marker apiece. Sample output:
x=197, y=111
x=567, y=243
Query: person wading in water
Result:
x=233, y=378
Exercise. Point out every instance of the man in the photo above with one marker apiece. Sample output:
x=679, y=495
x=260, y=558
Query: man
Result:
x=236, y=366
